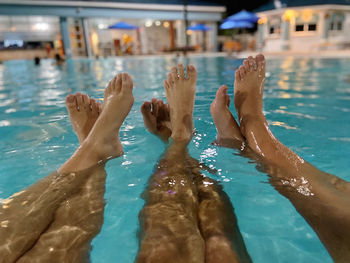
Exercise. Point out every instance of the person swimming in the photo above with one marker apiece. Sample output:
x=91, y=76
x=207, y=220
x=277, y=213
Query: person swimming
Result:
x=59, y=60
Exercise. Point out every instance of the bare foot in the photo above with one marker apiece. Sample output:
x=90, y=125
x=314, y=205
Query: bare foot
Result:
x=249, y=88
x=180, y=93
x=83, y=113
x=118, y=100
x=103, y=141
x=156, y=116
x=225, y=123
x=249, y=85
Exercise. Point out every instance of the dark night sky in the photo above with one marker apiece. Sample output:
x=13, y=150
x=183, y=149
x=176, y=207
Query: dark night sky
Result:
x=235, y=6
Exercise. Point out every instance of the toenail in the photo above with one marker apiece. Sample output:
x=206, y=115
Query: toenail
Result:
x=70, y=98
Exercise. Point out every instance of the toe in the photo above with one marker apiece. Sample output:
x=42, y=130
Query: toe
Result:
x=260, y=61
x=127, y=82
x=171, y=79
x=79, y=99
x=191, y=72
x=146, y=108
x=166, y=84
x=181, y=71
x=221, y=95
x=148, y=118
x=237, y=75
x=93, y=105
x=117, y=82
x=251, y=63
x=86, y=99
x=246, y=65
x=174, y=73
x=155, y=107
x=71, y=103
x=242, y=72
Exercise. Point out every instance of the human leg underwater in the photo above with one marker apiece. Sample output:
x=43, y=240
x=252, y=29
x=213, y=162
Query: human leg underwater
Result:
x=321, y=198
x=27, y=214
x=215, y=216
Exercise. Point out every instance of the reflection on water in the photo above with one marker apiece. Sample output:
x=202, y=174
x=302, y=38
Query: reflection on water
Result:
x=306, y=102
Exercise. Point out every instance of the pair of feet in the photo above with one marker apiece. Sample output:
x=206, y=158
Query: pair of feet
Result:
x=248, y=92
x=97, y=125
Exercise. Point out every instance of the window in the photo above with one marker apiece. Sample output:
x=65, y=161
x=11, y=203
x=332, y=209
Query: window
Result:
x=312, y=27
x=336, y=26
x=336, y=22
x=305, y=27
x=276, y=29
x=299, y=28
x=274, y=26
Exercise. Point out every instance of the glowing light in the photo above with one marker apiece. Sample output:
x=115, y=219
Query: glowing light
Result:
x=148, y=23
x=189, y=32
x=13, y=28
x=94, y=40
x=288, y=15
x=101, y=26
x=166, y=24
x=262, y=20
x=157, y=23
x=41, y=26
x=307, y=15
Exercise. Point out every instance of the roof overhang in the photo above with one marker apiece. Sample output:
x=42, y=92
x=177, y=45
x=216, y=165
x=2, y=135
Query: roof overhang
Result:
x=297, y=8
x=109, y=9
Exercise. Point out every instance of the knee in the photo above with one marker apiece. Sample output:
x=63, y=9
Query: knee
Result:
x=154, y=253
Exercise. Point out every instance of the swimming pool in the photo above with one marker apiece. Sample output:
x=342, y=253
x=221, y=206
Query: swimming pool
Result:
x=307, y=103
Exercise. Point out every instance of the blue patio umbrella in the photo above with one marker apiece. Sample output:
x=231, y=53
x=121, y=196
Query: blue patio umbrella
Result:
x=199, y=27
x=122, y=25
x=243, y=16
x=230, y=24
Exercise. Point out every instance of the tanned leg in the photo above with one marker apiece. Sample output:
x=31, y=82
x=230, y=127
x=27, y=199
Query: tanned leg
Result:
x=27, y=214
x=217, y=222
x=322, y=199
x=169, y=219
x=79, y=218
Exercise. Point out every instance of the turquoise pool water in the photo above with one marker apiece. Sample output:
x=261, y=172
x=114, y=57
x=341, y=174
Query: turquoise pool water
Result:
x=306, y=101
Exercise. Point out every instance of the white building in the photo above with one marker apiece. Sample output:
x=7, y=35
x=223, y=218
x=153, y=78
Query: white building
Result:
x=301, y=25
x=80, y=28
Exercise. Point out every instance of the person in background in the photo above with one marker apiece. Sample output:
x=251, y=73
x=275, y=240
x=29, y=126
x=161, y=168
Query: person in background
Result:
x=59, y=60
x=36, y=61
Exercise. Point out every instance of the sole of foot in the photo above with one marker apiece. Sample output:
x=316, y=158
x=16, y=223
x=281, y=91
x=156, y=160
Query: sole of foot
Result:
x=156, y=117
x=226, y=126
x=83, y=113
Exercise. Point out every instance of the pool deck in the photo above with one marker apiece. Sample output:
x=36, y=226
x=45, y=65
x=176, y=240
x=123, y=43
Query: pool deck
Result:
x=245, y=54
x=312, y=54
